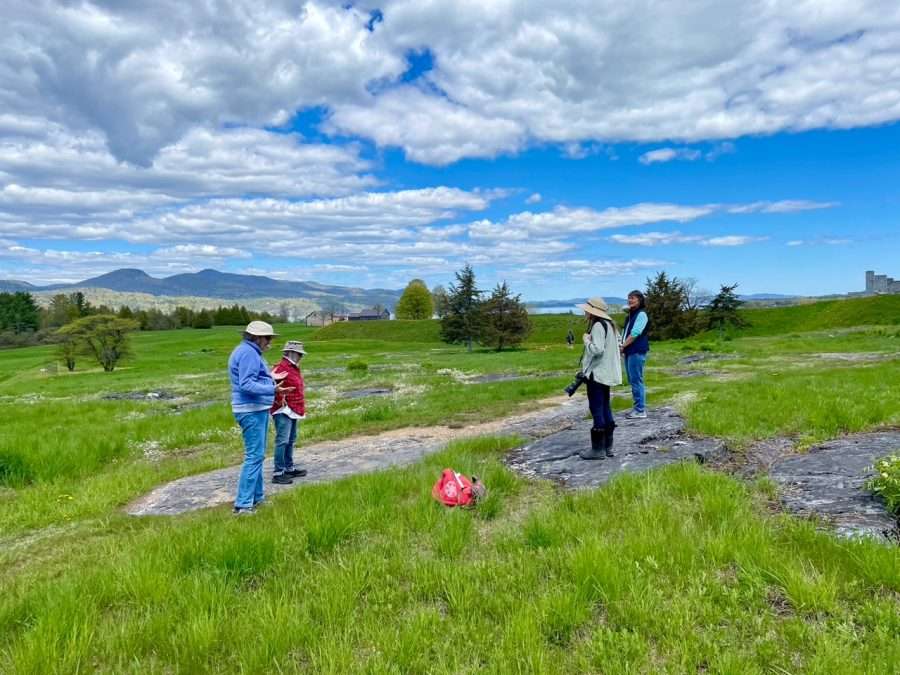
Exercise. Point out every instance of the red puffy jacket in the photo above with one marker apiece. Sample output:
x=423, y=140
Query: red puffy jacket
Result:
x=295, y=399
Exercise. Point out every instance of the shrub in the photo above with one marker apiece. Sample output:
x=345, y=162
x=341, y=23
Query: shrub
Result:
x=358, y=366
x=887, y=481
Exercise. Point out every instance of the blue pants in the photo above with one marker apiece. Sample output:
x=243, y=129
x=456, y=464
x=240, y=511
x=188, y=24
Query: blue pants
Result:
x=285, y=435
x=634, y=366
x=255, y=429
x=599, y=403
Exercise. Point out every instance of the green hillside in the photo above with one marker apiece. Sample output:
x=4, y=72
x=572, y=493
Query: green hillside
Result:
x=551, y=328
x=883, y=310
x=548, y=329
x=385, y=331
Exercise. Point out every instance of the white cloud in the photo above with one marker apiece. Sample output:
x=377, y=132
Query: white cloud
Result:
x=796, y=242
x=202, y=163
x=731, y=240
x=505, y=75
x=784, y=206
x=669, y=238
x=668, y=154
x=431, y=129
x=533, y=198
x=191, y=251
x=146, y=73
x=573, y=72
x=655, y=238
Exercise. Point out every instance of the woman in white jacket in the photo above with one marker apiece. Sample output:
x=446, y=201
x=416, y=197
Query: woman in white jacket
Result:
x=602, y=368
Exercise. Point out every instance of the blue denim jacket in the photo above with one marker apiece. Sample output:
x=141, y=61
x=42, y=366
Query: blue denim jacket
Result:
x=251, y=384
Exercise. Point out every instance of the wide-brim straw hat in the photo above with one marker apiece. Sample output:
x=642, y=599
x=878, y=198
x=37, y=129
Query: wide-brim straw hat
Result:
x=293, y=346
x=597, y=307
x=260, y=329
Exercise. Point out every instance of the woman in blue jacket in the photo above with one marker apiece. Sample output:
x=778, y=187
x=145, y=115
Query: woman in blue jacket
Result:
x=252, y=394
x=635, y=347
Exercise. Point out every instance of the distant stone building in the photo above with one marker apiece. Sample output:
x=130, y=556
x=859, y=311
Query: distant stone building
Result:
x=881, y=284
x=323, y=318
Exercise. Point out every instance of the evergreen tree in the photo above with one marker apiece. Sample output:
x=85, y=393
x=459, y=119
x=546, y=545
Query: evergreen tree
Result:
x=61, y=311
x=81, y=305
x=666, y=305
x=184, y=316
x=723, y=309
x=506, y=320
x=463, y=321
x=415, y=303
x=202, y=319
x=19, y=313
x=125, y=312
x=440, y=300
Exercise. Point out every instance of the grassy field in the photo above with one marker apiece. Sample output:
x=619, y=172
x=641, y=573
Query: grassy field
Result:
x=678, y=570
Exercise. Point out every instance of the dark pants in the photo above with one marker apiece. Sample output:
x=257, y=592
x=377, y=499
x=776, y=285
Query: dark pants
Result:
x=598, y=402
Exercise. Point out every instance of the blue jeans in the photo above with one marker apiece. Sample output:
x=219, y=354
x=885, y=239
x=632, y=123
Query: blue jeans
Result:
x=599, y=403
x=255, y=428
x=634, y=366
x=285, y=435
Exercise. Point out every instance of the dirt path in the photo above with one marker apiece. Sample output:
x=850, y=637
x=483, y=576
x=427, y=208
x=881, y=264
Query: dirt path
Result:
x=332, y=460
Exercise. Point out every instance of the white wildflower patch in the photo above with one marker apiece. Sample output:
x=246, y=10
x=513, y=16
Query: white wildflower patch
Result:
x=453, y=373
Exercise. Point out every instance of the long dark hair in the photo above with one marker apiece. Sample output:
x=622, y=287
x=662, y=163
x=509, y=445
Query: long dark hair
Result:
x=593, y=318
x=642, y=301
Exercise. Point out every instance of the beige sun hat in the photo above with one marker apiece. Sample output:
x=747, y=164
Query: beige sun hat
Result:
x=597, y=307
x=260, y=329
x=293, y=346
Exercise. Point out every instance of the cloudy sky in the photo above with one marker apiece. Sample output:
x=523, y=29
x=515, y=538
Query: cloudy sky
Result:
x=570, y=147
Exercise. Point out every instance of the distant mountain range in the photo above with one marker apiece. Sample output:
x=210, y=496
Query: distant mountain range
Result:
x=571, y=302
x=211, y=283
x=214, y=284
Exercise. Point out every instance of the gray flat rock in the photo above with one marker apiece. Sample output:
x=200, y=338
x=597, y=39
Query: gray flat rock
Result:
x=640, y=445
x=829, y=481
x=333, y=460
x=365, y=393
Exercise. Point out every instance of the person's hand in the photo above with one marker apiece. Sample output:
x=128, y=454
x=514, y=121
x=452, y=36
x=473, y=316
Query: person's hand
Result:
x=586, y=338
x=281, y=389
x=279, y=374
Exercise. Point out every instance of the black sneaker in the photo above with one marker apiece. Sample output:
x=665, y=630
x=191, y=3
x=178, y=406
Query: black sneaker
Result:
x=282, y=479
x=295, y=473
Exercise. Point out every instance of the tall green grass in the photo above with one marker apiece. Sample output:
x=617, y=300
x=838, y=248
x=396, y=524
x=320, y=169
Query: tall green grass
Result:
x=676, y=571
x=811, y=406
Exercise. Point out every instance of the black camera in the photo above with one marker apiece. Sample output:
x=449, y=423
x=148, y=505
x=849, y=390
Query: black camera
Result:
x=579, y=380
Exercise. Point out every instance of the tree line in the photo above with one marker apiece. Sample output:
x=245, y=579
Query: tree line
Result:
x=678, y=309
x=23, y=322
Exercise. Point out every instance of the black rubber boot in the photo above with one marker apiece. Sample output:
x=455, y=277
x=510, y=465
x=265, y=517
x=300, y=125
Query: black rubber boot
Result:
x=608, y=441
x=597, y=444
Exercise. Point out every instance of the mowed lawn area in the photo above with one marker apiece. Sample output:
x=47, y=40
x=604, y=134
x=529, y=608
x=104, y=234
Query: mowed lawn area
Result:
x=679, y=570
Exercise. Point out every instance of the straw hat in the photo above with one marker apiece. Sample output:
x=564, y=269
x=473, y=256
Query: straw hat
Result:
x=293, y=346
x=597, y=307
x=260, y=329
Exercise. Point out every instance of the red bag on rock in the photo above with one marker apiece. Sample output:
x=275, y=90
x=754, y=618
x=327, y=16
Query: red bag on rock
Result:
x=456, y=489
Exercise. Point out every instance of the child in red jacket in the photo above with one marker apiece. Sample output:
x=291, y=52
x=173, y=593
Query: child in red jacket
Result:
x=287, y=411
